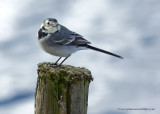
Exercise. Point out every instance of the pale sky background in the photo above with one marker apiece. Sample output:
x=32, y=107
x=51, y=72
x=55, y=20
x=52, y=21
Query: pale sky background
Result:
x=130, y=28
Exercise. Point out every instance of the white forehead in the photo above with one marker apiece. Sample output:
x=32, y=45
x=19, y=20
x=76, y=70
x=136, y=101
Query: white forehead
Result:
x=46, y=21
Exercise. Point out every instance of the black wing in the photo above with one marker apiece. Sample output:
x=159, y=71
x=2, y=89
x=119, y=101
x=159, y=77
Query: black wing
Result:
x=73, y=39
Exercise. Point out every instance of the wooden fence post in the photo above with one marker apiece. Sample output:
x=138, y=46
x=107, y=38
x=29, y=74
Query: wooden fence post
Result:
x=62, y=90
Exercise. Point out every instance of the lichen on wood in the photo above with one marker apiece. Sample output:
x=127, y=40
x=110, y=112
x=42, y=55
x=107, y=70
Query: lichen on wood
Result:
x=62, y=90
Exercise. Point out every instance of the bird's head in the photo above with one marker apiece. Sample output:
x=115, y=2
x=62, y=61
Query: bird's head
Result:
x=50, y=25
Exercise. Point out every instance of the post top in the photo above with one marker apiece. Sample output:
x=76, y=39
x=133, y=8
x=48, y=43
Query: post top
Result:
x=68, y=73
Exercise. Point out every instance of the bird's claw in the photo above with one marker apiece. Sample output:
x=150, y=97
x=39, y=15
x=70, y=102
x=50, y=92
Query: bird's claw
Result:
x=56, y=66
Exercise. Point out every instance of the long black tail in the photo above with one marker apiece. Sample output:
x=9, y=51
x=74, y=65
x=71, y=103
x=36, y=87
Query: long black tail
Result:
x=103, y=51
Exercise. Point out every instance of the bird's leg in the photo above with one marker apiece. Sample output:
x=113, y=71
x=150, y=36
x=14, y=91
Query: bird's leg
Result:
x=57, y=61
x=64, y=60
x=61, y=62
x=55, y=64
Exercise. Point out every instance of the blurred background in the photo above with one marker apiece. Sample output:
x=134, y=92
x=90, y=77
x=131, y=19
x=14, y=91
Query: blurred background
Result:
x=130, y=28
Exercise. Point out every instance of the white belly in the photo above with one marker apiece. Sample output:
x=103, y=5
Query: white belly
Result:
x=56, y=49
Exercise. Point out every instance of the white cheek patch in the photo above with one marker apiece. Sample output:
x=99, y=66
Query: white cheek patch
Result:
x=52, y=29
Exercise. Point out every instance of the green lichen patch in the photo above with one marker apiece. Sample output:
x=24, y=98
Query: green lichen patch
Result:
x=67, y=73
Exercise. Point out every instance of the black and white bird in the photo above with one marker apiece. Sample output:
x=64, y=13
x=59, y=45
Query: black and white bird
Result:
x=57, y=40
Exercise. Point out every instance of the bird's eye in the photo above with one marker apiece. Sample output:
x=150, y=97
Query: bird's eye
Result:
x=48, y=23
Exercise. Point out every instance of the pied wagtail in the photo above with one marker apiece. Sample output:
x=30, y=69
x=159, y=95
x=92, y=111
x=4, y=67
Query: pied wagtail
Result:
x=57, y=40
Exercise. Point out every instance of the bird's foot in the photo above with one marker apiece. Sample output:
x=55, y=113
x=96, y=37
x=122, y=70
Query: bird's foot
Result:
x=53, y=64
x=56, y=66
